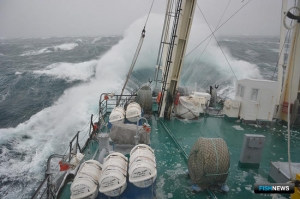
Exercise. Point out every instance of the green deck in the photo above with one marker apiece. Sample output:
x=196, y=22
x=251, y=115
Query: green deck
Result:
x=172, y=182
x=171, y=162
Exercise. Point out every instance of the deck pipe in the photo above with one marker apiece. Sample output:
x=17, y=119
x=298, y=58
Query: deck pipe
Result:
x=102, y=155
x=103, y=140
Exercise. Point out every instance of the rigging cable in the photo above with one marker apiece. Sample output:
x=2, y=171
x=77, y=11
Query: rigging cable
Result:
x=164, y=37
x=289, y=97
x=135, y=55
x=289, y=117
x=217, y=29
x=217, y=42
x=283, y=46
x=287, y=36
x=148, y=14
x=211, y=35
x=289, y=77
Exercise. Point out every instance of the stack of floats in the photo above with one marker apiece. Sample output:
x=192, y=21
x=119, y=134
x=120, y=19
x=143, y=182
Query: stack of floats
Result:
x=85, y=184
x=142, y=166
x=112, y=177
x=133, y=113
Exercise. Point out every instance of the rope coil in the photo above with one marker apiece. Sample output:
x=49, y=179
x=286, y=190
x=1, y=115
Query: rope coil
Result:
x=209, y=162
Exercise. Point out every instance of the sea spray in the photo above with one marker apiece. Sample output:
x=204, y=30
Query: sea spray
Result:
x=28, y=146
x=207, y=65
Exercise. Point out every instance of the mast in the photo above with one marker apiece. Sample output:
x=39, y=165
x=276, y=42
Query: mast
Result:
x=161, y=57
x=281, y=50
x=291, y=86
x=184, y=13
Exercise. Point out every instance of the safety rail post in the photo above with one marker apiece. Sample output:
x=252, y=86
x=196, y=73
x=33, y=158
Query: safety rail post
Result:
x=40, y=187
x=71, y=145
x=47, y=179
x=105, y=106
x=78, y=142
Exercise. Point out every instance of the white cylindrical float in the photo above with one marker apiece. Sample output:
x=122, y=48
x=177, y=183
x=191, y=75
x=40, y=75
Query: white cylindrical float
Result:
x=133, y=112
x=142, y=170
x=85, y=184
x=117, y=115
x=142, y=152
x=113, y=179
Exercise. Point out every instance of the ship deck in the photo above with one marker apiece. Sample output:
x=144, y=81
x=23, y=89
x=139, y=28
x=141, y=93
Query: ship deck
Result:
x=172, y=180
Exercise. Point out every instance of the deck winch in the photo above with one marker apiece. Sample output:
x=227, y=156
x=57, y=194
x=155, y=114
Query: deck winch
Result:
x=209, y=162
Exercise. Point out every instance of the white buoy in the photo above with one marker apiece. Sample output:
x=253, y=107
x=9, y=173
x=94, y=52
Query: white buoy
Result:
x=133, y=112
x=85, y=184
x=113, y=179
x=117, y=115
x=142, y=167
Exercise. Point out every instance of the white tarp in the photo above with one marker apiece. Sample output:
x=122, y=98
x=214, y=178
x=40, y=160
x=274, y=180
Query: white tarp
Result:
x=189, y=107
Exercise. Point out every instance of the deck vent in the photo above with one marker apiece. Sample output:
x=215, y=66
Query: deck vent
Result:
x=252, y=150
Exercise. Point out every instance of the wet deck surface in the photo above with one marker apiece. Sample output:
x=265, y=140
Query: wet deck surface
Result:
x=173, y=183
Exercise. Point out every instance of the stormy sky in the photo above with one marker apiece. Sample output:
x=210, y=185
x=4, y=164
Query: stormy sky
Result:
x=47, y=18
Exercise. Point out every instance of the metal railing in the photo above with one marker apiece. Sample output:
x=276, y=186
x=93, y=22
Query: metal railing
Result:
x=49, y=189
x=109, y=100
x=47, y=185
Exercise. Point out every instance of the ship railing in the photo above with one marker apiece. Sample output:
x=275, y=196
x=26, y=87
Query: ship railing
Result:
x=46, y=188
x=42, y=189
x=108, y=101
x=49, y=188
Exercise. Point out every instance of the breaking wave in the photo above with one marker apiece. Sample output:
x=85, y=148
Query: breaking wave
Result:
x=65, y=47
x=25, y=148
x=70, y=72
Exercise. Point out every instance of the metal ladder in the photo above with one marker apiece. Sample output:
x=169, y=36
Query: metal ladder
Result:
x=170, y=52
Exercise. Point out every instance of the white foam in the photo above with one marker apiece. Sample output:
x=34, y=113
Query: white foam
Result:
x=248, y=187
x=71, y=72
x=36, y=52
x=238, y=127
x=277, y=196
x=259, y=179
x=227, y=92
x=216, y=63
x=51, y=129
x=96, y=39
x=159, y=190
x=66, y=46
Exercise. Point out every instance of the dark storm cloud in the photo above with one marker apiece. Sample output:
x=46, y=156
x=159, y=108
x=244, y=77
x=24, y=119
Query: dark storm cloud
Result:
x=41, y=18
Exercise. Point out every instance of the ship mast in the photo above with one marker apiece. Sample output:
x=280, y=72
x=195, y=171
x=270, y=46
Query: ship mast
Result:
x=291, y=85
x=182, y=22
x=281, y=50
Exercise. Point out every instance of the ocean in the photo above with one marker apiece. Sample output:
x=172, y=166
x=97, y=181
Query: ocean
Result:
x=49, y=87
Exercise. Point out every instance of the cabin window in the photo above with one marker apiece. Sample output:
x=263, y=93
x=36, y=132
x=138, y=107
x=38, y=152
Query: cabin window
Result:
x=240, y=91
x=254, y=94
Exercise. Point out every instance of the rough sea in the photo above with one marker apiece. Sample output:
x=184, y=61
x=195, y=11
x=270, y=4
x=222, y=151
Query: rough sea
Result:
x=49, y=87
